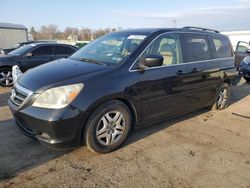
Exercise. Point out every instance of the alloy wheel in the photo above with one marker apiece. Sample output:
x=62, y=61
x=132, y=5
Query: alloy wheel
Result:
x=110, y=128
x=6, y=78
x=222, y=98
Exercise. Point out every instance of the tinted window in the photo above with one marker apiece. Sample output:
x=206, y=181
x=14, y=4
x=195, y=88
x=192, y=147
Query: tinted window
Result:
x=222, y=47
x=168, y=46
x=22, y=50
x=42, y=51
x=63, y=50
x=195, y=47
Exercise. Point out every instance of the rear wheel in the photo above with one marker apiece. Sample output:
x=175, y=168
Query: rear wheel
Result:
x=247, y=79
x=108, y=127
x=222, y=97
x=6, y=79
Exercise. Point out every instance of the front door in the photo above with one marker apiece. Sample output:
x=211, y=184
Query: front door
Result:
x=161, y=89
x=36, y=57
x=241, y=52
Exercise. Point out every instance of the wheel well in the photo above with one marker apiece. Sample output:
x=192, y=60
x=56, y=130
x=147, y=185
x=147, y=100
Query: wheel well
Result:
x=228, y=81
x=124, y=101
x=5, y=67
x=131, y=109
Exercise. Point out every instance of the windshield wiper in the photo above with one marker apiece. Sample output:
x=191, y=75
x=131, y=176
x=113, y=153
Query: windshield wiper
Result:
x=92, y=61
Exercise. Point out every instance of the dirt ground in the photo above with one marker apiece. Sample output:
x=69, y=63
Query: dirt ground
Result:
x=203, y=149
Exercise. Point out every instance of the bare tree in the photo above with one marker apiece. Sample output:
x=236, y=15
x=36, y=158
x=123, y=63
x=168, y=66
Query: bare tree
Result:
x=33, y=33
x=49, y=32
x=100, y=32
x=71, y=31
x=85, y=34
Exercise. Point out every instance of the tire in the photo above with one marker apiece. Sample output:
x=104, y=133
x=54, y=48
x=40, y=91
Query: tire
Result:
x=108, y=127
x=6, y=79
x=247, y=79
x=222, y=98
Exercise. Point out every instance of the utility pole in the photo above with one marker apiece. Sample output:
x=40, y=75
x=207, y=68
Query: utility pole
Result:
x=174, y=22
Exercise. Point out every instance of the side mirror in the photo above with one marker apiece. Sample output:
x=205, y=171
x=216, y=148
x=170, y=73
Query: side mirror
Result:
x=248, y=51
x=29, y=54
x=152, y=61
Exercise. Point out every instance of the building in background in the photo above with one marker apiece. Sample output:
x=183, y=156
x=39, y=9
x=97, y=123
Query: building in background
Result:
x=236, y=36
x=11, y=34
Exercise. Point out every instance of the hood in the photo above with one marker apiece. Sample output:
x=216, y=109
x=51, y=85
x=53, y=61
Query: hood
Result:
x=43, y=76
x=8, y=58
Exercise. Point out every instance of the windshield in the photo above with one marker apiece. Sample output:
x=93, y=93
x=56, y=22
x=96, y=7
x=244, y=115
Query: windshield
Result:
x=22, y=50
x=109, y=49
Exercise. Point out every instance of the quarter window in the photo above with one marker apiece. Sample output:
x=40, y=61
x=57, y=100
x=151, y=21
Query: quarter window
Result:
x=222, y=47
x=63, y=50
x=168, y=46
x=195, y=47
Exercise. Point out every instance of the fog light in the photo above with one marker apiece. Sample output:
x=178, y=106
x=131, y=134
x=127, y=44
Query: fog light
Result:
x=45, y=136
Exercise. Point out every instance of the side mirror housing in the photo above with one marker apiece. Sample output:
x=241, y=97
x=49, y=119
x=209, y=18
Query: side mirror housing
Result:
x=152, y=61
x=29, y=54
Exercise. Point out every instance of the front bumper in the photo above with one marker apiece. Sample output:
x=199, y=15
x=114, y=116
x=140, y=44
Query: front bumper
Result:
x=56, y=129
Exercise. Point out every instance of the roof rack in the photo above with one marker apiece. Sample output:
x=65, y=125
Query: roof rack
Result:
x=201, y=28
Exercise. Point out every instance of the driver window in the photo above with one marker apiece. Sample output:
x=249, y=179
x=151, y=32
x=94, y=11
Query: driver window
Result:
x=42, y=51
x=168, y=46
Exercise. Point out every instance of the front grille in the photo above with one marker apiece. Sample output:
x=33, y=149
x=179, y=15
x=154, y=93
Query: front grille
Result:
x=19, y=95
x=26, y=130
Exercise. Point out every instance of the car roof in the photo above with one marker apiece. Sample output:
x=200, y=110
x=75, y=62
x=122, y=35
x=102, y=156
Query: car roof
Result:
x=148, y=31
x=50, y=43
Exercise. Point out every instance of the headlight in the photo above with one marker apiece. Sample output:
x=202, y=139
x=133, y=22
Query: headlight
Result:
x=58, y=97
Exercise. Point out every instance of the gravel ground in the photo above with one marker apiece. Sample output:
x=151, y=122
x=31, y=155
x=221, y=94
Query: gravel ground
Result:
x=202, y=149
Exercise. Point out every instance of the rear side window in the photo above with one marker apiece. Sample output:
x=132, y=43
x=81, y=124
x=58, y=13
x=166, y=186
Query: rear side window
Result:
x=63, y=50
x=43, y=51
x=195, y=48
x=222, y=47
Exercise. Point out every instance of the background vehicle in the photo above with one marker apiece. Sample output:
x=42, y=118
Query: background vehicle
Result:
x=242, y=50
x=18, y=45
x=120, y=81
x=30, y=56
x=11, y=34
x=244, y=68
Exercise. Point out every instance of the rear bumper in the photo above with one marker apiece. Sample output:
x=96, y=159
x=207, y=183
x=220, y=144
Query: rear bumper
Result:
x=56, y=129
x=233, y=76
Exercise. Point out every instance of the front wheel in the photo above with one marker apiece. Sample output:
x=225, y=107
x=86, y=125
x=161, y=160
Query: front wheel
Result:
x=108, y=127
x=222, y=97
x=6, y=79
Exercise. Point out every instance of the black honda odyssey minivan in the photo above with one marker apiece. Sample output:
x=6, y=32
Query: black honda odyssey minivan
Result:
x=120, y=81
